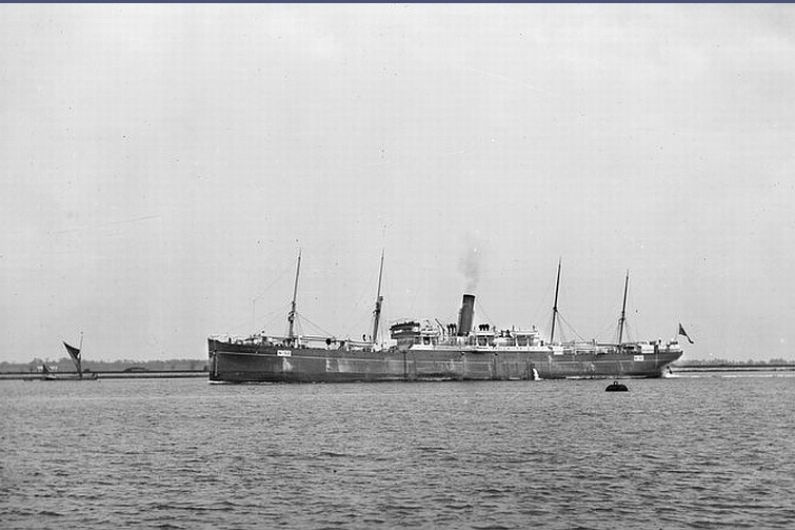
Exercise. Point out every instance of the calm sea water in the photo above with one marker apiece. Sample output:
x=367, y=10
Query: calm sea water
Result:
x=703, y=452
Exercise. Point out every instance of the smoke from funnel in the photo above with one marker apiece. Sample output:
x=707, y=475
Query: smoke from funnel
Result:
x=469, y=265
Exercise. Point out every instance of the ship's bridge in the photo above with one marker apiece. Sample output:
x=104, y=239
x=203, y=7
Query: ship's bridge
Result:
x=424, y=331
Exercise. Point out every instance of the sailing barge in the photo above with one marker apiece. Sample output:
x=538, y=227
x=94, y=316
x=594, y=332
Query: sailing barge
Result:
x=75, y=354
x=425, y=349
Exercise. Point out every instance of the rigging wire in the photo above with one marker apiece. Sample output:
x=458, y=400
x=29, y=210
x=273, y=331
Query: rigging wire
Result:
x=245, y=324
x=271, y=284
x=561, y=330
x=630, y=332
x=308, y=321
x=571, y=328
x=485, y=314
x=541, y=309
x=631, y=303
x=605, y=329
x=360, y=300
x=273, y=316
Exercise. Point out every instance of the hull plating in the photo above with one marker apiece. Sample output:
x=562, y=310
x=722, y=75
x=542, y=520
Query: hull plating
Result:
x=238, y=363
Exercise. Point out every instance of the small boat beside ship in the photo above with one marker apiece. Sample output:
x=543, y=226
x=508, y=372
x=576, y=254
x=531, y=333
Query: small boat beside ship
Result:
x=427, y=350
x=46, y=373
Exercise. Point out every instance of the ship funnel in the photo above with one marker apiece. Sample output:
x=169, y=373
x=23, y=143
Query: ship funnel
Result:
x=466, y=315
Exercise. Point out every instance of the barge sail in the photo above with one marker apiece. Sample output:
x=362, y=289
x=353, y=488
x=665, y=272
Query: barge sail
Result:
x=424, y=349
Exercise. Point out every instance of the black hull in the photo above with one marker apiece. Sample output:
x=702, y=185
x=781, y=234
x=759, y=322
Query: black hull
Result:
x=242, y=363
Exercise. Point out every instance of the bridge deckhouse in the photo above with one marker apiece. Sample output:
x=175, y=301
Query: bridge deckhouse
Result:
x=521, y=338
x=416, y=333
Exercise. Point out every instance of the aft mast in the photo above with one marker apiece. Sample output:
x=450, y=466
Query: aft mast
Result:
x=623, y=311
x=378, y=300
x=291, y=315
x=555, y=306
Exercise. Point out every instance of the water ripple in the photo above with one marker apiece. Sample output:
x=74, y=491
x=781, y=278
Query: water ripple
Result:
x=697, y=453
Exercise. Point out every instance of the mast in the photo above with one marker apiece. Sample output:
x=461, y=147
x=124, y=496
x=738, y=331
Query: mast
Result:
x=555, y=306
x=623, y=310
x=79, y=357
x=291, y=315
x=378, y=300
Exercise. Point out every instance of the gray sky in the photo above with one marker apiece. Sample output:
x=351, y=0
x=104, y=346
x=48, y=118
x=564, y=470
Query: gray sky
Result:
x=161, y=166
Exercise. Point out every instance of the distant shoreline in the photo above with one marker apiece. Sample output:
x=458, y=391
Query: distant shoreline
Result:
x=151, y=374
x=762, y=367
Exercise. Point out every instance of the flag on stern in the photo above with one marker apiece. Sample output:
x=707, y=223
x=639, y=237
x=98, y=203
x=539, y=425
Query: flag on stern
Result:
x=683, y=332
x=74, y=353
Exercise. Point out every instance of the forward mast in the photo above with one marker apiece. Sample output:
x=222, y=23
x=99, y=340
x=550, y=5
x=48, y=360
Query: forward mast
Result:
x=378, y=300
x=555, y=306
x=623, y=317
x=291, y=314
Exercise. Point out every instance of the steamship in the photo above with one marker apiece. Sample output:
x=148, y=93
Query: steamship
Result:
x=426, y=350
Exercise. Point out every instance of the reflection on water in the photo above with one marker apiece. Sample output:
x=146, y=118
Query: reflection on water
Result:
x=675, y=453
